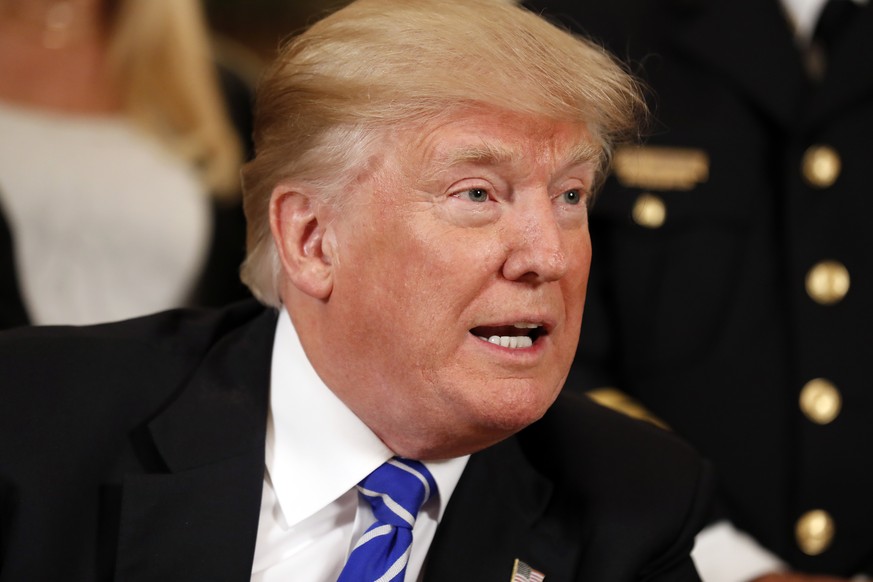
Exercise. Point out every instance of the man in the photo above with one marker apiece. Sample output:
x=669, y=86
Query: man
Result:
x=418, y=218
x=731, y=290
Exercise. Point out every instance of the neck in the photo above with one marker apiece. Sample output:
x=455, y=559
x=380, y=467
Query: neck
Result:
x=63, y=68
x=57, y=24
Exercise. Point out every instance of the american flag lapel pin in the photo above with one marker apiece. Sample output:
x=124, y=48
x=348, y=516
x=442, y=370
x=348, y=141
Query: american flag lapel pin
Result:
x=521, y=572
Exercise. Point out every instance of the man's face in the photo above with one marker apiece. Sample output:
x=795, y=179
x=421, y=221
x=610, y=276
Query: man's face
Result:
x=459, y=280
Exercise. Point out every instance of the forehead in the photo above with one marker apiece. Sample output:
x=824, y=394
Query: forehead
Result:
x=483, y=137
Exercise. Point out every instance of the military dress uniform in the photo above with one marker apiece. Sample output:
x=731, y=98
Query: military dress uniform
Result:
x=731, y=292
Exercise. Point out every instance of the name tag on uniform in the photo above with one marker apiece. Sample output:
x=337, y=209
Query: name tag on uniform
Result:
x=660, y=168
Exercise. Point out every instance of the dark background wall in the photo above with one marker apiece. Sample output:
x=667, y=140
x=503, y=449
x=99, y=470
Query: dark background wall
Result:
x=260, y=25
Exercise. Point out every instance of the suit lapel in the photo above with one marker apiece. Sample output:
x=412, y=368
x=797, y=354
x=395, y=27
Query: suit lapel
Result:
x=750, y=42
x=848, y=77
x=199, y=520
x=498, y=514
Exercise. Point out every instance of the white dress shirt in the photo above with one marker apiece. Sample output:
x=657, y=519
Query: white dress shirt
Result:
x=803, y=16
x=317, y=450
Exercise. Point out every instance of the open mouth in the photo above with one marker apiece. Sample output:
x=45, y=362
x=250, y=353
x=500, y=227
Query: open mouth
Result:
x=515, y=336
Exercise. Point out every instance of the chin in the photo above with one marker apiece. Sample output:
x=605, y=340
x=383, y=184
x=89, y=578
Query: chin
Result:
x=480, y=430
x=518, y=409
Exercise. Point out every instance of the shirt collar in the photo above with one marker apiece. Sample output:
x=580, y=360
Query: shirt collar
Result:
x=316, y=448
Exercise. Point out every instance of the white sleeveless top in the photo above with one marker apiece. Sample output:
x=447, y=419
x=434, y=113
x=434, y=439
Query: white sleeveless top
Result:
x=107, y=224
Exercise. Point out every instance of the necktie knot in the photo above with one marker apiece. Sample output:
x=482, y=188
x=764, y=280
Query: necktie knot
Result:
x=396, y=490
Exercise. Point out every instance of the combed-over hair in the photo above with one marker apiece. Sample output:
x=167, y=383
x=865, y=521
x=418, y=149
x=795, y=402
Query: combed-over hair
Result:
x=378, y=64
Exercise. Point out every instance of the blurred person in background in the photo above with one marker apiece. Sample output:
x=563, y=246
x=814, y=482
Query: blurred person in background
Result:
x=120, y=147
x=731, y=293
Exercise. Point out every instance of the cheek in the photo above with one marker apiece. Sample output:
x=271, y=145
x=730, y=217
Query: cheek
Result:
x=401, y=279
x=435, y=265
x=575, y=285
x=577, y=279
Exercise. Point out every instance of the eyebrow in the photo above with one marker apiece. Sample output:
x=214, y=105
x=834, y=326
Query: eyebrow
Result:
x=484, y=153
x=492, y=154
x=585, y=153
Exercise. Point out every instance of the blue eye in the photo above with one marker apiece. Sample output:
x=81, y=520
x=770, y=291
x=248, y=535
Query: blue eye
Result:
x=572, y=197
x=476, y=194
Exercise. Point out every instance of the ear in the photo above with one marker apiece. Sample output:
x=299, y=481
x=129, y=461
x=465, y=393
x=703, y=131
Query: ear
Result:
x=299, y=233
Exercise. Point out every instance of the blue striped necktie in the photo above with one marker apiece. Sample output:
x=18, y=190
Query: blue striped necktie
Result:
x=396, y=491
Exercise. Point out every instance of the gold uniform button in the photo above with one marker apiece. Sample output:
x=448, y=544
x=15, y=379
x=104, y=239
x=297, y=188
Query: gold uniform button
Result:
x=649, y=211
x=820, y=401
x=821, y=166
x=814, y=532
x=827, y=282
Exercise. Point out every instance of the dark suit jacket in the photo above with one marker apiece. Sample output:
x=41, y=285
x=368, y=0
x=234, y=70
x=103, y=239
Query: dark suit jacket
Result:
x=706, y=319
x=136, y=450
x=12, y=310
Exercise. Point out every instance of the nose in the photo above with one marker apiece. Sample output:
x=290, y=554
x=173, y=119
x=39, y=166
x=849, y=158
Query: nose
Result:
x=535, y=242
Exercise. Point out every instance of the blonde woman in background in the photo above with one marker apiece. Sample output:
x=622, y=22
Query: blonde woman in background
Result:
x=118, y=161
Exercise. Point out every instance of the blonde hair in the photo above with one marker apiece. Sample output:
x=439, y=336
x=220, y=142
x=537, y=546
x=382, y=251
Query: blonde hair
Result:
x=377, y=64
x=161, y=60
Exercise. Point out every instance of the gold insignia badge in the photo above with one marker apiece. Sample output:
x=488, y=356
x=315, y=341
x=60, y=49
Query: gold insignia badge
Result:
x=621, y=402
x=660, y=168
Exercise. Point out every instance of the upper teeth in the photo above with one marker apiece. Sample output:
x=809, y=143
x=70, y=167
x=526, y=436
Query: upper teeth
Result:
x=525, y=325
